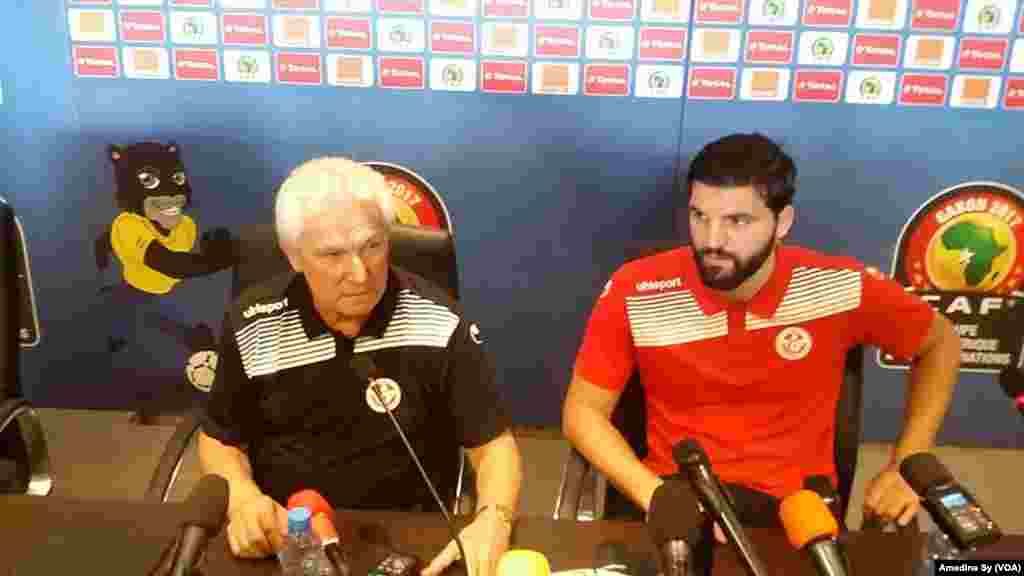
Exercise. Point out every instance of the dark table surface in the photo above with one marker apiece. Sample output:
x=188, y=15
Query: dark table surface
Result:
x=50, y=536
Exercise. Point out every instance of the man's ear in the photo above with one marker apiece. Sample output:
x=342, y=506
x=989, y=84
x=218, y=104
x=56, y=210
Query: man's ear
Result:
x=172, y=147
x=785, y=217
x=115, y=152
x=293, y=257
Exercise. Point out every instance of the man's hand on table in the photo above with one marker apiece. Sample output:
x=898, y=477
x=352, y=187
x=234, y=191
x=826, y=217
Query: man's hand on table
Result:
x=890, y=497
x=256, y=527
x=484, y=540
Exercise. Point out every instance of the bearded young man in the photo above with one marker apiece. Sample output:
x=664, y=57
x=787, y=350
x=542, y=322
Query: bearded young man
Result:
x=740, y=343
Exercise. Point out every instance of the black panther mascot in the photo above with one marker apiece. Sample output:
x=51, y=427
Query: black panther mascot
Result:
x=153, y=239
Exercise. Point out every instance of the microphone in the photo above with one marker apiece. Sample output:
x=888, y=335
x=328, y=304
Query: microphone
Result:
x=10, y=483
x=322, y=520
x=366, y=370
x=822, y=486
x=674, y=522
x=612, y=559
x=690, y=457
x=811, y=526
x=523, y=563
x=207, y=507
x=951, y=506
x=1011, y=379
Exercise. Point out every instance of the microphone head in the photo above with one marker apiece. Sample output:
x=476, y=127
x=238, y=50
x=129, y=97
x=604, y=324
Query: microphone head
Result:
x=207, y=504
x=9, y=476
x=689, y=453
x=674, y=514
x=822, y=486
x=312, y=500
x=610, y=554
x=922, y=471
x=523, y=563
x=806, y=518
x=1011, y=380
x=364, y=367
x=612, y=557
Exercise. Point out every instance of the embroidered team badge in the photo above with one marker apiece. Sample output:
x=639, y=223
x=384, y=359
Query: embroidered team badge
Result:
x=474, y=334
x=389, y=390
x=793, y=343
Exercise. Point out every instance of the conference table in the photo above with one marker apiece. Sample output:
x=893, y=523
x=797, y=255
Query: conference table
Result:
x=45, y=535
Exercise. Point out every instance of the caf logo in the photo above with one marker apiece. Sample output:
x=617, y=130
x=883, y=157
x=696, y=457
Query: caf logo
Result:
x=659, y=81
x=961, y=251
x=972, y=252
x=192, y=28
x=823, y=48
x=871, y=88
x=452, y=75
x=248, y=67
x=608, y=41
x=988, y=17
x=399, y=35
x=966, y=240
x=774, y=9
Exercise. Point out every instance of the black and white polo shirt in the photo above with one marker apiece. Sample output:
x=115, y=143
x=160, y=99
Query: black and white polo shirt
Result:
x=284, y=389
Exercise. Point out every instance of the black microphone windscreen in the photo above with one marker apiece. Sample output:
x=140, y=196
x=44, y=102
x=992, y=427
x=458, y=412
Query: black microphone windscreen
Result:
x=820, y=485
x=1012, y=382
x=610, y=554
x=364, y=367
x=207, y=504
x=9, y=481
x=922, y=471
x=613, y=557
x=673, y=514
x=689, y=452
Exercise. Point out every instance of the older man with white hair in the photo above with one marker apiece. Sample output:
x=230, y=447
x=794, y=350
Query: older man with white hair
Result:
x=287, y=412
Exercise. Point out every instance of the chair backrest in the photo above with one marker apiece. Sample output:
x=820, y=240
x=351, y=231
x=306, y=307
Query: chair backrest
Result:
x=24, y=458
x=9, y=304
x=846, y=442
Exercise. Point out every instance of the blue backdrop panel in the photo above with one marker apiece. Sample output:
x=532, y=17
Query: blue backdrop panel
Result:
x=546, y=195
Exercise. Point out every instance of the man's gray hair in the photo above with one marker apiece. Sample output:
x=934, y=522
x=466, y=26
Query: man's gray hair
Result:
x=315, y=185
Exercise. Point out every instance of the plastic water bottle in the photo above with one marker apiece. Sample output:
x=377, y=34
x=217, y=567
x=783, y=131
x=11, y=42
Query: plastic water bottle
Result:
x=937, y=546
x=302, y=554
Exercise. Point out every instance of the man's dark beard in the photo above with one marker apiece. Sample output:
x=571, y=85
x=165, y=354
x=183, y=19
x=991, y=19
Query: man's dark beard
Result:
x=741, y=270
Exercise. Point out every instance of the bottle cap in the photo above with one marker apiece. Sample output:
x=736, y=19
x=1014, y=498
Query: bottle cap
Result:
x=298, y=520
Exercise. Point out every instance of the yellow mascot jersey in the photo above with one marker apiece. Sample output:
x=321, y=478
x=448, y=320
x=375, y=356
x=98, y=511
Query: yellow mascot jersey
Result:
x=130, y=236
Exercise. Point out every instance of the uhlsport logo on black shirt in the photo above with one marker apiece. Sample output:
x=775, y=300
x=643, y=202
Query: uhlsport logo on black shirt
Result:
x=267, y=308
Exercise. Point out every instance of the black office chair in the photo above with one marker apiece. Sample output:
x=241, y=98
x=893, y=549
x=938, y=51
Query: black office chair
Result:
x=24, y=456
x=585, y=494
x=427, y=252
